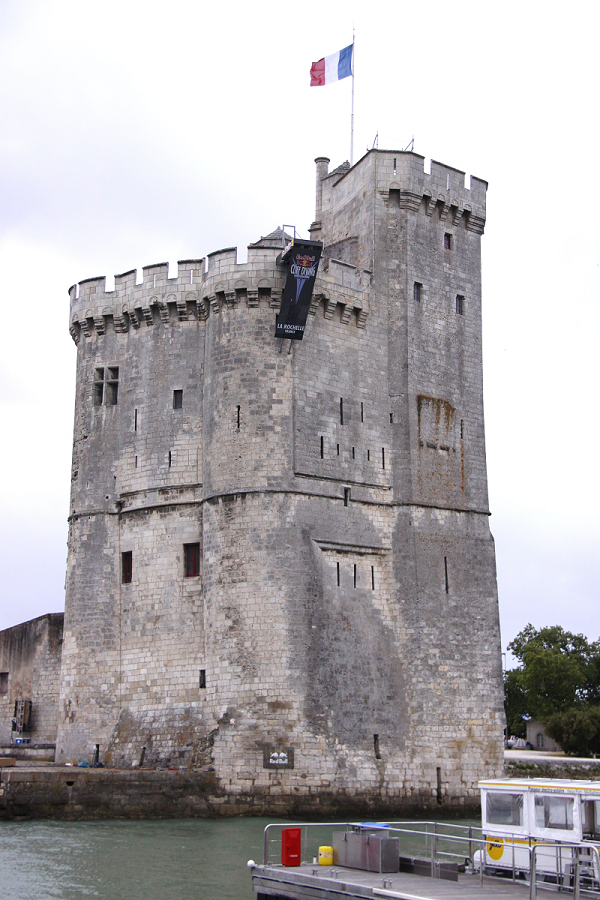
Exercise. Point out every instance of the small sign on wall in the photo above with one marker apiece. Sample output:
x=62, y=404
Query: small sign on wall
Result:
x=278, y=757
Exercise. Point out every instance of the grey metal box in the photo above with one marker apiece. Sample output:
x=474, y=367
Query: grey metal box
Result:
x=369, y=852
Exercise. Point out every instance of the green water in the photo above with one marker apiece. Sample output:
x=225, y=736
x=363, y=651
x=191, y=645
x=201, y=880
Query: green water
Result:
x=191, y=859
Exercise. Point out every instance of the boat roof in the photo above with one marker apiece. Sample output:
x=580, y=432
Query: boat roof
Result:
x=547, y=784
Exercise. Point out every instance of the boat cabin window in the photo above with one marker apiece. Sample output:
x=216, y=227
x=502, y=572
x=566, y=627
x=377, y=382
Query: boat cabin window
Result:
x=554, y=812
x=505, y=809
x=591, y=819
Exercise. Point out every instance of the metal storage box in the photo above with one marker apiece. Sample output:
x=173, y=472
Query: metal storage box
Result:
x=367, y=851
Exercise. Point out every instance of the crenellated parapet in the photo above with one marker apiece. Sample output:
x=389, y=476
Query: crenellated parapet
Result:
x=442, y=192
x=205, y=287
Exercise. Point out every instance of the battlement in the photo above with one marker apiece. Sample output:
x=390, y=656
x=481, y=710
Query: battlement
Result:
x=206, y=286
x=442, y=191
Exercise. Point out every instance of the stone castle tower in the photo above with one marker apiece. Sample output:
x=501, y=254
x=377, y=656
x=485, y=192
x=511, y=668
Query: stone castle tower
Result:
x=280, y=564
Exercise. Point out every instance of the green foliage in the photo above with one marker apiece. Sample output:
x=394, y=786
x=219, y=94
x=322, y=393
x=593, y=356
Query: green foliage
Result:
x=557, y=683
x=515, y=703
x=577, y=730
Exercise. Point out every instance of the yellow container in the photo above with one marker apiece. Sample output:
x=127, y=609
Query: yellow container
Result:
x=325, y=856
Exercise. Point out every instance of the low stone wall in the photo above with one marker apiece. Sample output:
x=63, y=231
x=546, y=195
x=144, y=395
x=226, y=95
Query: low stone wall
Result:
x=39, y=752
x=59, y=792
x=554, y=767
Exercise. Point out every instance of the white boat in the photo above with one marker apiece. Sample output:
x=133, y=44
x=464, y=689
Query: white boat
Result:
x=548, y=824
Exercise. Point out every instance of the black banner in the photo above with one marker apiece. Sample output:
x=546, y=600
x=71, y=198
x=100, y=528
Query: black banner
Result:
x=302, y=262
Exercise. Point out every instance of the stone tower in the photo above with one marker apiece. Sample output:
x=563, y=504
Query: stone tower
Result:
x=280, y=564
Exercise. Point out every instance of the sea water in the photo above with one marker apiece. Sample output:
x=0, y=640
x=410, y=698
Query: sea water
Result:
x=166, y=859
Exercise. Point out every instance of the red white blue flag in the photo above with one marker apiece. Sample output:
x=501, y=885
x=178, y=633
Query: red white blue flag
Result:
x=332, y=68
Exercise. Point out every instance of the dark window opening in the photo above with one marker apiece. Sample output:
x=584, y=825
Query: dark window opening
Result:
x=142, y=758
x=3, y=682
x=177, y=399
x=341, y=411
x=96, y=755
x=391, y=418
x=338, y=574
x=417, y=291
x=191, y=554
x=353, y=454
x=98, y=387
x=202, y=680
x=446, y=573
x=112, y=386
x=135, y=420
x=460, y=301
x=447, y=241
x=322, y=446
x=126, y=567
x=383, y=457
x=136, y=462
x=346, y=496
x=338, y=449
x=238, y=417
x=170, y=458
x=394, y=165
x=362, y=412
x=372, y=578
x=462, y=429
x=376, y=746
x=368, y=455
x=439, y=785
x=354, y=574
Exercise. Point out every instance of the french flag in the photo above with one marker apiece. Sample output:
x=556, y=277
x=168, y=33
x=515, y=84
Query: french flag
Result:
x=332, y=68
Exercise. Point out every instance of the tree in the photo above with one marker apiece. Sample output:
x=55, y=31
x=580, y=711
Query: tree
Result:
x=558, y=683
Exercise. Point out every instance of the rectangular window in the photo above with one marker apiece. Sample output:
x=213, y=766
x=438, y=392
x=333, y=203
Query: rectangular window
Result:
x=346, y=496
x=338, y=449
x=3, y=682
x=446, y=574
x=126, y=567
x=383, y=457
x=135, y=420
x=192, y=559
x=338, y=574
x=354, y=574
x=98, y=387
x=504, y=809
x=322, y=446
x=372, y=578
x=417, y=292
x=178, y=400
x=462, y=429
x=460, y=304
x=112, y=386
x=341, y=411
x=447, y=241
x=202, y=680
x=362, y=412
x=554, y=812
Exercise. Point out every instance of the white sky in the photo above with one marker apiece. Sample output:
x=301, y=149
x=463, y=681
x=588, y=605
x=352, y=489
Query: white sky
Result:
x=133, y=133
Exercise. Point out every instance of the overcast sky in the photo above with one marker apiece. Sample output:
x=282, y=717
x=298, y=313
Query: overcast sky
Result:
x=133, y=133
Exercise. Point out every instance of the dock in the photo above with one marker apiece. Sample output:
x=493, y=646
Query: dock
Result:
x=309, y=882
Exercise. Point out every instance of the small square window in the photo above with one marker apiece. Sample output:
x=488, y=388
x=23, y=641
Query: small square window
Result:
x=460, y=305
x=191, y=553
x=202, y=679
x=447, y=241
x=417, y=287
x=126, y=567
x=177, y=399
x=3, y=682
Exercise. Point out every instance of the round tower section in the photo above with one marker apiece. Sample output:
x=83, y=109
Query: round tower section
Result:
x=134, y=617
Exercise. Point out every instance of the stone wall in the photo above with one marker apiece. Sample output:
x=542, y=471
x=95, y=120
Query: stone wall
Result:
x=30, y=656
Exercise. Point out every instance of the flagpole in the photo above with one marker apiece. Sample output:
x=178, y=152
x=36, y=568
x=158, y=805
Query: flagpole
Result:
x=352, y=113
